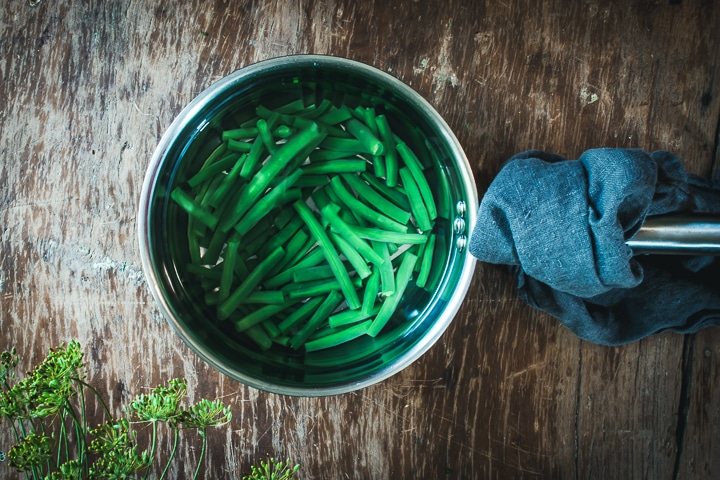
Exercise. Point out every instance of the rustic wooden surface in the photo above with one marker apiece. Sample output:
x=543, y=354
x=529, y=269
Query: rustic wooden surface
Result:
x=89, y=87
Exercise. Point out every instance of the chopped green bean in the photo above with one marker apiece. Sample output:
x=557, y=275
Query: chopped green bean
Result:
x=372, y=290
x=353, y=256
x=329, y=304
x=426, y=262
x=330, y=253
x=362, y=210
x=282, y=193
x=416, y=168
x=339, y=337
x=200, y=213
x=249, y=283
x=344, y=165
x=259, y=315
x=285, y=154
x=391, y=303
x=347, y=234
x=417, y=205
x=366, y=137
x=300, y=315
x=373, y=197
x=378, y=235
x=239, y=133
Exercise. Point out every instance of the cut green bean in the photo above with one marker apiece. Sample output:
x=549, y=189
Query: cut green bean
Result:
x=426, y=262
x=419, y=210
x=329, y=304
x=372, y=290
x=315, y=288
x=373, y=197
x=249, y=283
x=366, y=137
x=404, y=274
x=394, y=194
x=337, y=224
x=266, y=296
x=285, y=154
x=330, y=253
x=239, y=146
x=259, y=315
x=313, y=273
x=258, y=335
x=362, y=210
x=353, y=256
x=300, y=315
x=350, y=145
x=239, y=133
x=416, y=168
x=228, y=270
x=200, y=213
x=339, y=337
x=282, y=193
x=344, y=165
x=348, y=317
x=378, y=235
x=386, y=270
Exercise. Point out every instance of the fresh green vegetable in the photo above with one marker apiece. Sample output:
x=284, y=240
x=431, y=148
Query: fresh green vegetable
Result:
x=304, y=225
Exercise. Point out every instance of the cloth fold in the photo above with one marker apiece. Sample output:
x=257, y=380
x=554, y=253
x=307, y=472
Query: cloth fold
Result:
x=562, y=225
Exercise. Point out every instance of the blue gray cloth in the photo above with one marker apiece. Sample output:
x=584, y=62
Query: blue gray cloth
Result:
x=561, y=226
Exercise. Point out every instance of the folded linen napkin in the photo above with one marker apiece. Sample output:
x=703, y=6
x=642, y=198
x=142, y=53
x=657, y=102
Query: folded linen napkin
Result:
x=562, y=225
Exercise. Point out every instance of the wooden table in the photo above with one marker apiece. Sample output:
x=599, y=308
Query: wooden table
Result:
x=88, y=88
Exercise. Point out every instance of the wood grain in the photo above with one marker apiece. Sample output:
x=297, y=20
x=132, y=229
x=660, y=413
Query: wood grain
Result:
x=88, y=88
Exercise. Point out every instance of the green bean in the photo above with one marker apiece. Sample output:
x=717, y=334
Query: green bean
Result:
x=374, y=198
x=378, y=235
x=210, y=170
x=330, y=213
x=200, y=213
x=348, y=317
x=220, y=193
x=350, y=145
x=391, y=159
x=353, y=256
x=301, y=314
x=366, y=137
x=315, y=288
x=253, y=160
x=339, y=337
x=228, y=270
x=330, y=253
x=416, y=168
x=426, y=262
x=372, y=290
x=298, y=244
x=404, y=274
x=282, y=131
x=330, y=303
x=282, y=193
x=394, y=194
x=258, y=335
x=266, y=296
x=422, y=217
x=311, y=259
x=362, y=210
x=285, y=154
x=239, y=133
x=336, y=115
x=312, y=273
x=239, y=146
x=266, y=136
x=344, y=165
x=259, y=315
x=249, y=283
x=386, y=270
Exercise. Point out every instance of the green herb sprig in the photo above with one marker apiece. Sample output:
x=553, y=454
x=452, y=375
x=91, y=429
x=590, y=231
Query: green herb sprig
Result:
x=47, y=411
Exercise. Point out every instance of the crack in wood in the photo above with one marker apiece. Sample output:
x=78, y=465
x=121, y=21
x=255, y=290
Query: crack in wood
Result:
x=688, y=358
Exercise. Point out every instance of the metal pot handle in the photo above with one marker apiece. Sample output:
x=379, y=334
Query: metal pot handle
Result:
x=678, y=234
